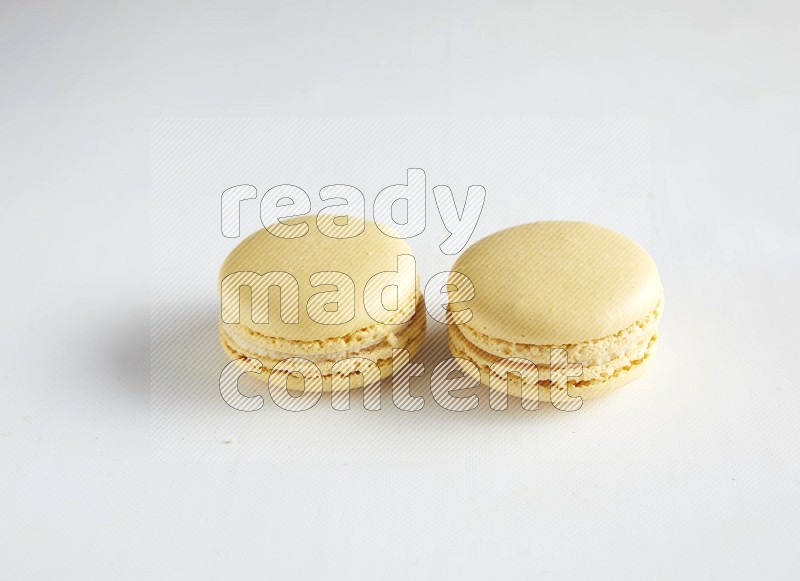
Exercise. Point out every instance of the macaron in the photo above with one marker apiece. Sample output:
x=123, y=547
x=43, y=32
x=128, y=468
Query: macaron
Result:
x=337, y=292
x=557, y=285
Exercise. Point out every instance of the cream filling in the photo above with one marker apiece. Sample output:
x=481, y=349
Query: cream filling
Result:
x=238, y=341
x=588, y=353
x=462, y=347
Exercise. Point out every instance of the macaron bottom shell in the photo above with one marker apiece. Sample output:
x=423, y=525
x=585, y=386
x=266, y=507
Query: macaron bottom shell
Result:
x=410, y=338
x=476, y=366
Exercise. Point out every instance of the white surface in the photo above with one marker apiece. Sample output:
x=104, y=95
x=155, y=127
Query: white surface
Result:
x=692, y=471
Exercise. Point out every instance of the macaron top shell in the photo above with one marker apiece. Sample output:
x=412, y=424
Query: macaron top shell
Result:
x=558, y=283
x=360, y=257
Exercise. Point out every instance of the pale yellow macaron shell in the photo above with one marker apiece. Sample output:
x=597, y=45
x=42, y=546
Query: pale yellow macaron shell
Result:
x=360, y=257
x=556, y=283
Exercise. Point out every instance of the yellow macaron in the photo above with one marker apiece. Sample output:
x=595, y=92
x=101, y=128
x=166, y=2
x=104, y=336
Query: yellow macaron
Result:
x=565, y=285
x=342, y=296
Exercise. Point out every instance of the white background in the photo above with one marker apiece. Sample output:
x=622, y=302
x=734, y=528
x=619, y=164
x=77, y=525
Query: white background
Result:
x=691, y=471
